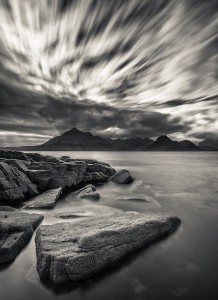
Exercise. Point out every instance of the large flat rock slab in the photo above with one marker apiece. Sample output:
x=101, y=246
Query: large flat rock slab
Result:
x=76, y=251
x=16, y=229
x=47, y=199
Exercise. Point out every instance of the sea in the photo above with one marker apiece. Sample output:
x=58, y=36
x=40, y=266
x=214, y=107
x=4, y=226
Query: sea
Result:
x=182, y=266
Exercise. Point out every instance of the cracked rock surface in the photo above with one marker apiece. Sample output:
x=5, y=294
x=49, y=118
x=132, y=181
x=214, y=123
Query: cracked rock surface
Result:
x=76, y=251
x=47, y=199
x=16, y=229
x=23, y=175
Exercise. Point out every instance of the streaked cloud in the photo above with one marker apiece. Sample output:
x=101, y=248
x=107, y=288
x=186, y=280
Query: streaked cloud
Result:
x=117, y=67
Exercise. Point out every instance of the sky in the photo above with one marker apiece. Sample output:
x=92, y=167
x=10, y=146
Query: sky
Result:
x=116, y=68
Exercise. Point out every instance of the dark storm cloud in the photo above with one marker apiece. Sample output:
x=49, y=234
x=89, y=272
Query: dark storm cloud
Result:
x=47, y=116
x=148, y=67
x=109, y=121
x=206, y=135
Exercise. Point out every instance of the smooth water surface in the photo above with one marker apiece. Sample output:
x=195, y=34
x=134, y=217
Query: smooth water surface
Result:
x=182, y=266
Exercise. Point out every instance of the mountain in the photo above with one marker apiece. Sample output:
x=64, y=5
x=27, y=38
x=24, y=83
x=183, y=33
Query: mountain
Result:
x=163, y=143
x=76, y=140
x=209, y=145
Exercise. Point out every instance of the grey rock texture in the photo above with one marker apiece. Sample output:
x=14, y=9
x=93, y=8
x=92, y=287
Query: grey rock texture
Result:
x=123, y=176
x=76, y=251
x=73, y=215
x=23, y=175
x=7, y=208
x=88, y=192
x=47, y=199
x=91, y=196
x=14, y=184
x=16, y=229
x=85, y=190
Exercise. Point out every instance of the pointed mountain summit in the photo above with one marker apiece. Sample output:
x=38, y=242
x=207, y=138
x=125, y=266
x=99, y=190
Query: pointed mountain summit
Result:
x=164, y=143
x=75, y=139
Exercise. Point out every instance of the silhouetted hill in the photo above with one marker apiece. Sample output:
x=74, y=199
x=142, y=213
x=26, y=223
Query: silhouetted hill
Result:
x=75, y=139
x=163, y=143
x=209, y=145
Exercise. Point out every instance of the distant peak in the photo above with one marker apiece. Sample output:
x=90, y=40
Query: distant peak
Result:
x=73, y=130
x=163, y=138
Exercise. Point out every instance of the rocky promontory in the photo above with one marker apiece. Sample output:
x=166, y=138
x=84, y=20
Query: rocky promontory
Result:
x=24, y=175
x=76, y=251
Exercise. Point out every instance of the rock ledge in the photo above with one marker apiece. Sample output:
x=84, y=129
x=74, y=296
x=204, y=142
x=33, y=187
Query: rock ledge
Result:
x=76, y=251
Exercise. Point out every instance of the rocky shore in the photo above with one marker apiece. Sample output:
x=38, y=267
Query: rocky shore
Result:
x=23, y=175
x=90, y=241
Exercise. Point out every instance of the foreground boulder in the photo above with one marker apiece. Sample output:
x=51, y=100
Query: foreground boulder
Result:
x=47, y=199
x=123, y=176
x=76, y=251
x=16, y=230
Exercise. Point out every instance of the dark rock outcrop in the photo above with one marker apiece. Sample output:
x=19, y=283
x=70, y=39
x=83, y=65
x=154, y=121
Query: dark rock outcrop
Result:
x=16, y=230
x=51, y=175
x=47, y=199
x=86, y=189
x=14, y=184
x=123, y=176
x=76, y=251
x=23, y=175
x=88, y=192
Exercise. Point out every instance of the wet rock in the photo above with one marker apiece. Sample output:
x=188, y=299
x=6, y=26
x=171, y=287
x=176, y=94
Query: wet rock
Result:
x=47, y=199
x=14, y=184
x=88, y=192
x=14, y=155
x=99, y=167
x=76, y=251
x=72, y=215
x=91, y=196
x=16, y=230
x=97, y=210
x=86, y=189
x=7, y=208
x=51, y=175
x=95, y=177
x=23, y=175
x=123, y=176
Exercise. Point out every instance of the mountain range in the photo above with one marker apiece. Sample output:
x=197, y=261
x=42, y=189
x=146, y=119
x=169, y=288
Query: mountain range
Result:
x=74, y=139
